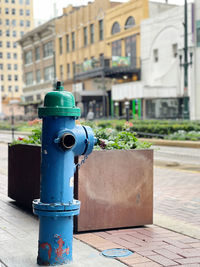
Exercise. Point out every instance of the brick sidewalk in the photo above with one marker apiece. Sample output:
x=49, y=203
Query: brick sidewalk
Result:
x=153, y=246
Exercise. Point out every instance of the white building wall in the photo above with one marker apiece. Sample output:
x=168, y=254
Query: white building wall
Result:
x=161, y=33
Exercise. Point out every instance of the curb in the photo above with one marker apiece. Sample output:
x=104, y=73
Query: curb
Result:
x=161, y=142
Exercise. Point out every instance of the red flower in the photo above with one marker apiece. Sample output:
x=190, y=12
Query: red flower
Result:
x=20, y=138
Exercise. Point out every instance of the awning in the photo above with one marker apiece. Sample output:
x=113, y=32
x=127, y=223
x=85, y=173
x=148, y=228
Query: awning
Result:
x=86, y=96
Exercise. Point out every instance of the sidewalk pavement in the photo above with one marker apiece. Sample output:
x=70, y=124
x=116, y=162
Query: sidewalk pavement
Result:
x=176, y=197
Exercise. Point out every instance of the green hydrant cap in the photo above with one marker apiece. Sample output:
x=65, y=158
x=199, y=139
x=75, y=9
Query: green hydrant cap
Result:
x=59, y=103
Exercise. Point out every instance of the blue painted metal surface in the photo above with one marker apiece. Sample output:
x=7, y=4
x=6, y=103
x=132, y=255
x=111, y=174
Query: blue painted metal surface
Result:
x=61, y=141
x=116, y=252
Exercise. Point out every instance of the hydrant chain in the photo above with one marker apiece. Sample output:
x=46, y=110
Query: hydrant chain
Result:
x=82, y=162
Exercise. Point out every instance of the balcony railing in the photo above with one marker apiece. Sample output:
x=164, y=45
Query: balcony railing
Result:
x=109, y=66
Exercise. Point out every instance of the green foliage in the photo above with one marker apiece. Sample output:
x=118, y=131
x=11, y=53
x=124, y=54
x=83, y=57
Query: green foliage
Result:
x=183, y=135
x=33, y=138
x=112, y=139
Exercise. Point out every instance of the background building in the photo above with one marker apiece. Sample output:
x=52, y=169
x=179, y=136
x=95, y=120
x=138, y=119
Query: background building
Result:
x=96, y=45
x=38, y=48
x=160, y=92
x=16, y=18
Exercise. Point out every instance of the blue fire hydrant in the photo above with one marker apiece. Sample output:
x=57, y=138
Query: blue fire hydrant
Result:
x=61, y=141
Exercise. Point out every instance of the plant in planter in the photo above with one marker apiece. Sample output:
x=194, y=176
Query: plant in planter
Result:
x=115, y=185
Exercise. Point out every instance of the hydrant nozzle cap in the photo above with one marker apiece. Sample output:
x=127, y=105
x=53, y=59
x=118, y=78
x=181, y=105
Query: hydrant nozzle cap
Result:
x=59, y=103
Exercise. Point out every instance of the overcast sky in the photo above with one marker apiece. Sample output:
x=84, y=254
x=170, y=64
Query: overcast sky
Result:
x=43, y=9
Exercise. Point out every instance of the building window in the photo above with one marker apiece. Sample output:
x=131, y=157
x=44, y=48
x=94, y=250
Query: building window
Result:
x=130, y=49
x=91, y=33
x=68, y=71
x=21, y=33
x=67, y=42
x=49, y=73
x=175, y=50
x=116, y=48
x=8, y=55
x=38, y=97
x=0, y=21
x=9, y=66
x=73, y=41
x=15, y=67
x=14, y=22
x=61, y=72
x=74, y=67
x=21, y=2
x=7, y=22
x=6, y=1
x=16, y=77
x=100, y=30
x=155, y=55
x=27, y=12
x=2, y=77
x=13, y=1
x=1, y=44
x=37, y=53
x=115, y=28
x=129, y=23
x=14, y=34
x=1, y=55
x=198, y=32
x=60, y=45
x=14, y=44
x=85, y=36
x=27, y=2
x=16, y=88
x=7, y=10
x=0, y=32
x=28, y=23
x=10, y=88
x=2, y=88
x=48, y=49
x=29, y=78
x=1, y=66
x=21, y=23
x=9, y=77
x=28, y=57
x=7, y=44
x=21, y=12
x=13, y=11
x=15, y=55
x=38, y=76
x=7, y=33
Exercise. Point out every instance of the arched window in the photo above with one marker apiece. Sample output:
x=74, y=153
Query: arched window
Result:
x=129, y=23
x=115, y=28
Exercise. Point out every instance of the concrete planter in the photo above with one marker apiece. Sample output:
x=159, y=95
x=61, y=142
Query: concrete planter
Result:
x=115, y=187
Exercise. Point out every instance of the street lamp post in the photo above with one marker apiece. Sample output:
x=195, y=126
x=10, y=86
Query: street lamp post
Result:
x=185, y=65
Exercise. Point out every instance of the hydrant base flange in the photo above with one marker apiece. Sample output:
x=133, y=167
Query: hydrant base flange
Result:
x=37, y=205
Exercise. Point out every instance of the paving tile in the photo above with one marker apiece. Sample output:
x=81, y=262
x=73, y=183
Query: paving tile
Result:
x=167, y=254
x=146, y=264
x=162, y=260
x=190, y=253
x=188, y=260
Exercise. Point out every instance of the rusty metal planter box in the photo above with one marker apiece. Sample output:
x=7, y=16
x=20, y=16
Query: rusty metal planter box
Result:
x=116, y=190
x=115, y=187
